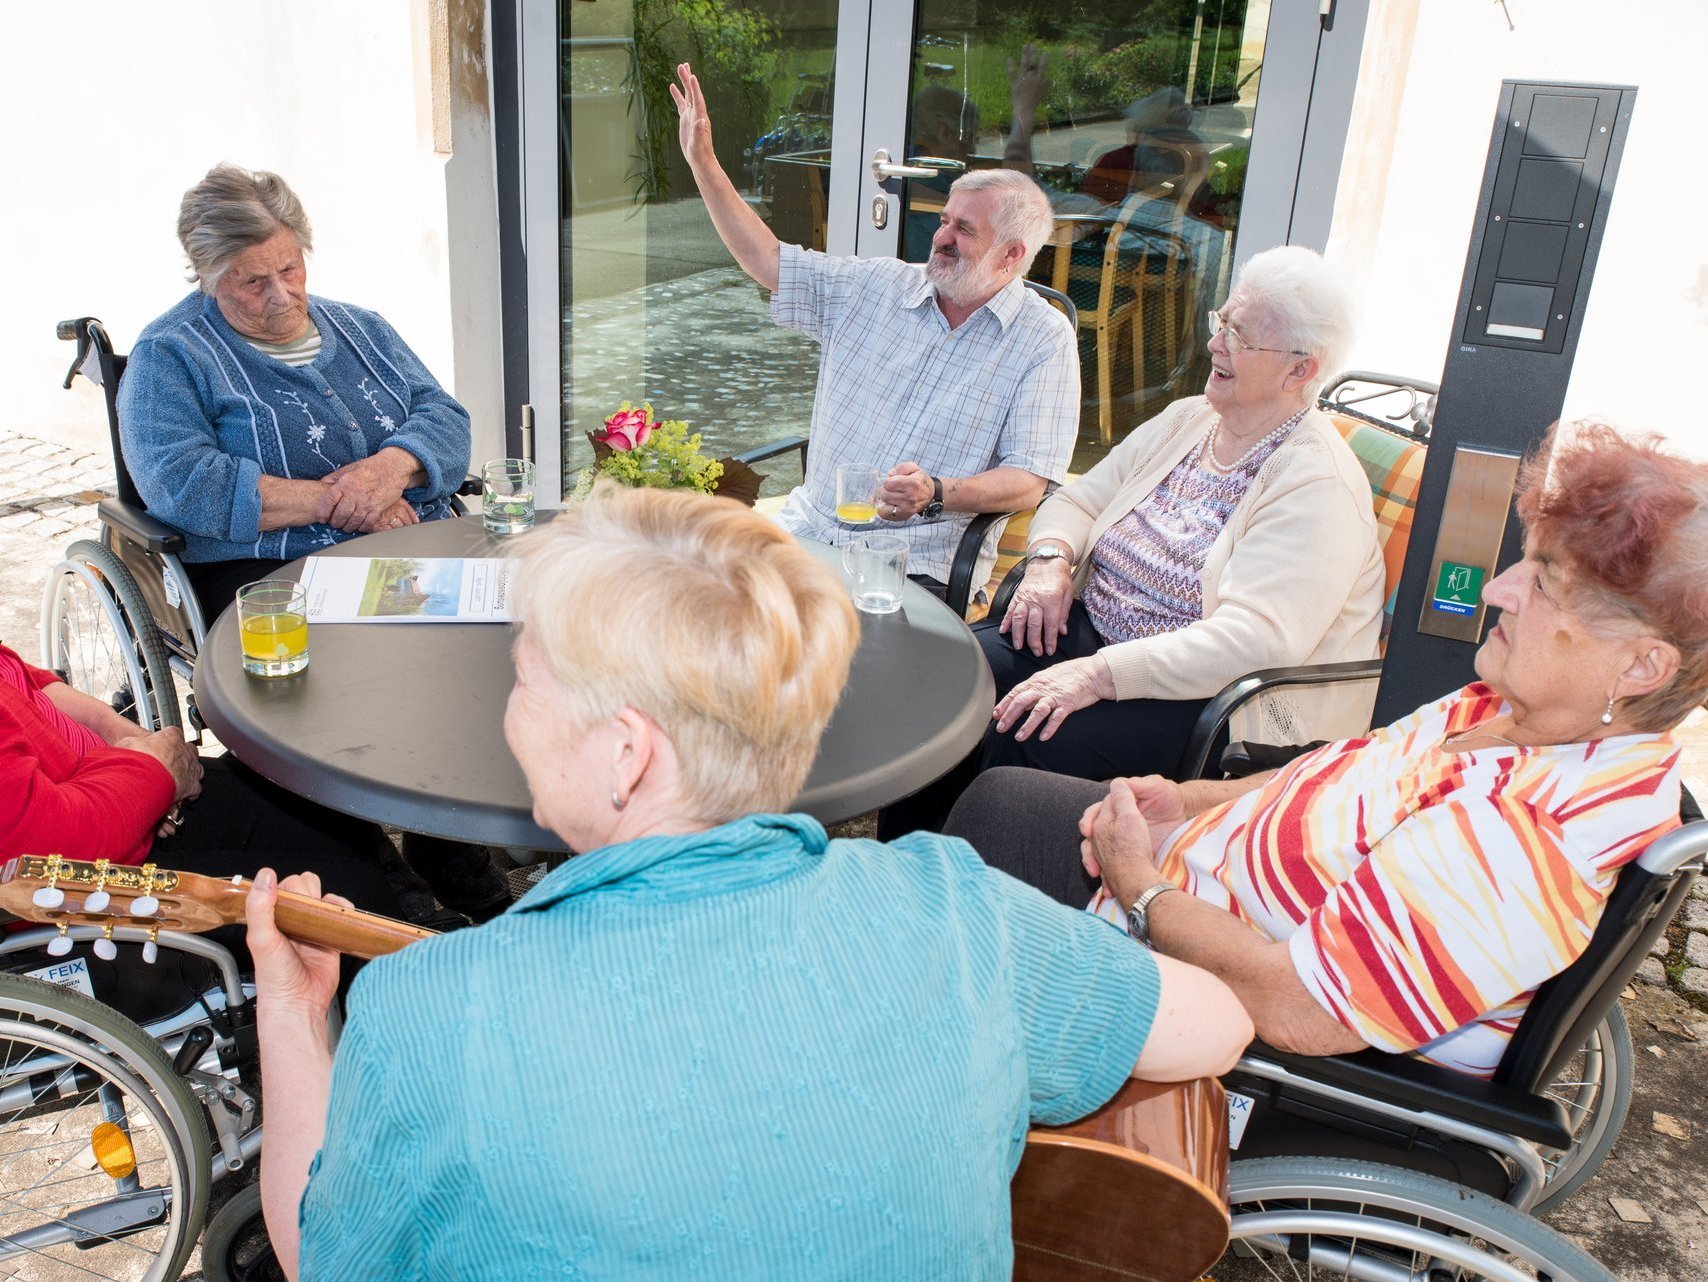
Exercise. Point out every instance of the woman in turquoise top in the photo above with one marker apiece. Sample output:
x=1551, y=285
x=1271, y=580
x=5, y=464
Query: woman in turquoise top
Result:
x=716, y=1044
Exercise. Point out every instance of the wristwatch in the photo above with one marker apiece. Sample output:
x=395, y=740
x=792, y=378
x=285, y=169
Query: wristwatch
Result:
x=1051, y=552
x=934, y=509
x=1138, y=916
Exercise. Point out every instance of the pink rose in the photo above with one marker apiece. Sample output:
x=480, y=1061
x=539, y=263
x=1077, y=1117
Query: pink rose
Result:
x=627, y=429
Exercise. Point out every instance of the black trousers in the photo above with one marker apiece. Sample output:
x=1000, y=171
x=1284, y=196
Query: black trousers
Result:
x=1109, y=739
x=242, y=823
x=215, y=583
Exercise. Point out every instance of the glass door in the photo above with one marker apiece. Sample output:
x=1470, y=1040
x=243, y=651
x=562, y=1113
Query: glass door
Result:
x=1137, y=117
x=654, y=308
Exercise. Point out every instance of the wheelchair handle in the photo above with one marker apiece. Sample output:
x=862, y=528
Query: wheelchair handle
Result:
x=76, y=329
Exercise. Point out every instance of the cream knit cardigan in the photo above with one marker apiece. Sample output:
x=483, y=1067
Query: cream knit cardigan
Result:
x=1295, y=577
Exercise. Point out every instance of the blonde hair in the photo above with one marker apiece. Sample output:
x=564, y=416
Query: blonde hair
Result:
x=705, y=617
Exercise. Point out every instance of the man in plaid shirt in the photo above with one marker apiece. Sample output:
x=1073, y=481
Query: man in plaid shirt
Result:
x=954, y=378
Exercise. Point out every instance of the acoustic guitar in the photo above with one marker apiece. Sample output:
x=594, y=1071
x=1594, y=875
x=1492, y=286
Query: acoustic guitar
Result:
x=72, y=892
x=1138, y=1190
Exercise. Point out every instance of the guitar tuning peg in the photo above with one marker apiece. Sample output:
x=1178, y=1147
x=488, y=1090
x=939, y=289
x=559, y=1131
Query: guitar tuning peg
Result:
x=144, y=906
x=50, y=895
x=98, y=899
x=105, y=948
x=60, y=944
x=151, y=950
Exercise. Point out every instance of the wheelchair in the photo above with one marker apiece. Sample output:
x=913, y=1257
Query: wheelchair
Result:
x=115, y=1131
x=1383, y=1166
x=119, y=618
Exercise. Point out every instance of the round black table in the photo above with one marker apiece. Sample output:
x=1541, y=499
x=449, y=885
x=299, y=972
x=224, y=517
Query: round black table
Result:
x=403, y=723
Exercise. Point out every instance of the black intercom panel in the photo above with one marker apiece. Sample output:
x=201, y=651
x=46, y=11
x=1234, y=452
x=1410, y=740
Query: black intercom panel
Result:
x=1547, y=188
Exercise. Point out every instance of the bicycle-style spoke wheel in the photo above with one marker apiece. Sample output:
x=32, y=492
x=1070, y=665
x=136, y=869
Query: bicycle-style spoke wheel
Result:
x=97, y=629
x=1595, y=1089
x=1320, y=1218
x=104, y=1161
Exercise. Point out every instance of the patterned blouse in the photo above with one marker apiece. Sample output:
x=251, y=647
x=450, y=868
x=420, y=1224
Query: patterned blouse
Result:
x=1147, y=571
x=1425, y=893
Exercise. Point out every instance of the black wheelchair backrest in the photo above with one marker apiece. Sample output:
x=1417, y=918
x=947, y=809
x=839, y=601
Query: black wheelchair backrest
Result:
x=100, y=364
x=1566, y=1008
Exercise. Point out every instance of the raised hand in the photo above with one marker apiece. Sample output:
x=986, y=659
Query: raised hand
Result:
x=694, y=122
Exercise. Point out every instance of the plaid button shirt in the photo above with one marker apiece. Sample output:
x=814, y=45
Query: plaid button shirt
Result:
x=897, y=385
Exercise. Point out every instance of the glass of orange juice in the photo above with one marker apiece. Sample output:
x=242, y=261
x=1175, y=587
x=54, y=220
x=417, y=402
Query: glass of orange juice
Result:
x=272, y=622
x=857, y=494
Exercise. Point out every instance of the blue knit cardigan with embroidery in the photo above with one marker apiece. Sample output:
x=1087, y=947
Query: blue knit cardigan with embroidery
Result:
x=203, y=415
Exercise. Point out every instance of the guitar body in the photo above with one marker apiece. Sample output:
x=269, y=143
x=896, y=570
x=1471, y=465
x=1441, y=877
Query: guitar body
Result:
x=1136, y=1190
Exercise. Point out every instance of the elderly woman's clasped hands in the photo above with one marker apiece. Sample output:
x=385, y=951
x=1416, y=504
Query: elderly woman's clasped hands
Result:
x=367, y=495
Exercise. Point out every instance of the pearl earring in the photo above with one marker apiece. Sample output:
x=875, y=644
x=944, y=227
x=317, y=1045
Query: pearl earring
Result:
x=1607, y=716
x=617, y=803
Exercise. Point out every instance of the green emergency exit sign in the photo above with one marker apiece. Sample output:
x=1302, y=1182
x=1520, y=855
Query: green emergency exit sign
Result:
x=1458, y=588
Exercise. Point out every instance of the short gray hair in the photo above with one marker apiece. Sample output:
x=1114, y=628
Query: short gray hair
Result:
x=1300, y=303
x=1022, y=212
x=232, y=210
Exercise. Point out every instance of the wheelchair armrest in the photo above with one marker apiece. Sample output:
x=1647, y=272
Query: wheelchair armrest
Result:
x=154, y=535
x=1006, y=589
x=961, y=585
x=1220, y=710
x=759, y=453
x=1240, y=759
x=469, y=488
x=1412, y=1083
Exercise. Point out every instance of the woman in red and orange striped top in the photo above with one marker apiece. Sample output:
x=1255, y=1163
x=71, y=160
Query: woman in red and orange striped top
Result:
x=1409, y=889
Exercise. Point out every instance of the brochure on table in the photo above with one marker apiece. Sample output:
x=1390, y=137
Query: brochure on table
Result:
x=408, y=589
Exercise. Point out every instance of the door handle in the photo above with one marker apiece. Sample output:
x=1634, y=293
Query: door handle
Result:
x=883, y=168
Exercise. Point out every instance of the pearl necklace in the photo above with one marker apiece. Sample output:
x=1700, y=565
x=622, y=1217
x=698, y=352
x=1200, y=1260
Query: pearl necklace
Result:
x=1217, y=465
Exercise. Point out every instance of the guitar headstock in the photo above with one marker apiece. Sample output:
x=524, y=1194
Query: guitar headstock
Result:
x=74, y=892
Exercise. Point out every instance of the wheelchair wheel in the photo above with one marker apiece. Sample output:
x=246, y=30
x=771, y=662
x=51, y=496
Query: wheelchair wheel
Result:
x=97, y=629
x=104, y=1154
x=236, y=1247
x=1595, y=1088
x=1306, y=1217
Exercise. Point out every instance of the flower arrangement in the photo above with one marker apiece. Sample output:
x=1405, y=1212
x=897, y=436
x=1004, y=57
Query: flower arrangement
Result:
x=633, y=448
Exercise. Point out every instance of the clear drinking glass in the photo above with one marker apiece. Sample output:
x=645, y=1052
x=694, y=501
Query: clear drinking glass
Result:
x=272, y=622
x=507, y=495
x=877, y=567
x=857, y=494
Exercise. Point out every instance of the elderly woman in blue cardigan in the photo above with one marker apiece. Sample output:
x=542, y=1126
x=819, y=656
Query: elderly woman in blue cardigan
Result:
x=266, y=423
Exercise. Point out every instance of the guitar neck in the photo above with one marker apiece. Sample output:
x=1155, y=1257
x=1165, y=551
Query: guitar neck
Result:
x=314, y=921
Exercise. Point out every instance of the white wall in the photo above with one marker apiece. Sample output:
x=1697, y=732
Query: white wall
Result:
x=1402, y=218
x=112, y=108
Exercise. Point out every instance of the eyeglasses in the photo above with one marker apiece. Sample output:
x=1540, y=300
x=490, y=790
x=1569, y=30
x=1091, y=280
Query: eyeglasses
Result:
x=1236, y=342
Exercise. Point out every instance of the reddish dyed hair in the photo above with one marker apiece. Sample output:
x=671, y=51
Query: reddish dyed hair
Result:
x=1629, y=521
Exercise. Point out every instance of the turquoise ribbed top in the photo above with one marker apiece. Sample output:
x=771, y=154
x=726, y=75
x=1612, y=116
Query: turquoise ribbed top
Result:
x=749, y=1053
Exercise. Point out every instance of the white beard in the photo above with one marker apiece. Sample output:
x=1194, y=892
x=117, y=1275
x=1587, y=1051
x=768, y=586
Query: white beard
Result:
x=961, y=282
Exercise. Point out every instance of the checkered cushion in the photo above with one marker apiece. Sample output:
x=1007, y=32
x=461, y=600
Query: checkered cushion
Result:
x=1394, y=467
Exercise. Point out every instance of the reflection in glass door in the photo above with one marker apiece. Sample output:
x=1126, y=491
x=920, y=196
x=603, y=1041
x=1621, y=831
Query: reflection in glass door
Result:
x=1136, y=119
x=1136, y=116
x=654, y=307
